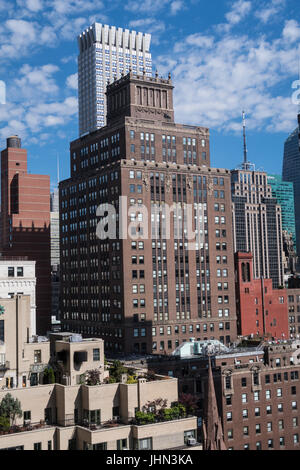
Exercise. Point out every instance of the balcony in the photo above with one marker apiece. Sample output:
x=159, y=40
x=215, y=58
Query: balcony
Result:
x=25, y=428
x=5, y=366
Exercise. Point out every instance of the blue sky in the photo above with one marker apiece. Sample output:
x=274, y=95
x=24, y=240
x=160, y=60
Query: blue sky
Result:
x=224, y=56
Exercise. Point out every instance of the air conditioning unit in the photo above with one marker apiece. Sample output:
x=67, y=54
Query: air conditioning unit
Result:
x=116, y=418
x=27, y=422
x=125, y=448
x=191, y=441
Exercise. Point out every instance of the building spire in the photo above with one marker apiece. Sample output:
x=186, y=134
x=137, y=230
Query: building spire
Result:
x=245, y=142
x=212, y=426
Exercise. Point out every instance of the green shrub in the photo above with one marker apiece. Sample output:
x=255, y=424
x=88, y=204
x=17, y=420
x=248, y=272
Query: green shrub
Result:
x=144, y=418
x=4, y=423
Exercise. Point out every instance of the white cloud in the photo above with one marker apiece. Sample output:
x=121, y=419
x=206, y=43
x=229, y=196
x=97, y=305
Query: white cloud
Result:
x=176, y=6
x=239, y=11
x=270, y=10
x=72, y=81
x=34, y=5
x=291, y=31
x=34, y=83
x=235, y=72
x=149, y=25
x=152, y=6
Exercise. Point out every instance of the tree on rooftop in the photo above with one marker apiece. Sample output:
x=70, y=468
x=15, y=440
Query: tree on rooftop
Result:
x=189, y=401
x=10, y=408
x=93, y=377
x=116, y=370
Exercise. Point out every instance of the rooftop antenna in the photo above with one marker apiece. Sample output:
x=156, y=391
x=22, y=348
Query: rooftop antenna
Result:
x=245, y=165
x=57, y=158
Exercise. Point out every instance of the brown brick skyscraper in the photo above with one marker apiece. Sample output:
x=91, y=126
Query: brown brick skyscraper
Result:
x=146, y=296
x=25, y=222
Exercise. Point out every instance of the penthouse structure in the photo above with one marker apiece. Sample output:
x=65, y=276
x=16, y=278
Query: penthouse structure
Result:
x=106, y=53
x=146, y=293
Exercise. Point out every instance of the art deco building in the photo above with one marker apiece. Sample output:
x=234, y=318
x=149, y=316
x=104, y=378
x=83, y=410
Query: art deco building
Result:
x=106, y=52
x=55, y=258
x=147, y=294
x=25, y=222
x=257, y=223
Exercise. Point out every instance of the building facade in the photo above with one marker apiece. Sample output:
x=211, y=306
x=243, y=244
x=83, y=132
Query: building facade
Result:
x=257, y=391
x=106, y=53
x=293, y=298
x=55, y=258
x=257, y=224
x=291, y=173
x=25, y=222
x=261, y=310
x=283, y=191
x=145, y=292
x=17, y=277
x=71, y=414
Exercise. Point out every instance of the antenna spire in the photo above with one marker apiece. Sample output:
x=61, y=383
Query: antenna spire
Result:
x=245, y=142
x=57, y=158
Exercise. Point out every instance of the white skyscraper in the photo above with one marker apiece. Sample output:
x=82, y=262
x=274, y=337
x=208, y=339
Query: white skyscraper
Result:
x=105, y=53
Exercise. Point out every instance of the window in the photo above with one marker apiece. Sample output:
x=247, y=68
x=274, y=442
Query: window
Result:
x=229, y=416
x=269, y=427
x=37, y=446
x=269, y=410
x=122, y=444
x=144, y=444
x=268, y=394
x=11, y=272
x=244, y=398
x=270, y=443
x=279, y=392
x=280, y=424
x=26, y=416
x=256, y=396
x=228, y=400
x=295, y=422
x=20, y=272
x=246, y=431
x=257, y=412
x=245, y=414
x=296, y=438
x=96, y=354
x=37, y=356
x=257, y=429
x=294, y=405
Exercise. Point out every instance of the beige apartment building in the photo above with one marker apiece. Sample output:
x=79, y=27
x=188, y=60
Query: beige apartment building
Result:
x=70, y=414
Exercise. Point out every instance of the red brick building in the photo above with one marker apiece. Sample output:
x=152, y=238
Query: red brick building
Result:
x=261, y=310
x=25, y=222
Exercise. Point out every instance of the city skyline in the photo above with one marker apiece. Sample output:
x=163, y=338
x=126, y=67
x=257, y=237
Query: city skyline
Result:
x=259, y=68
